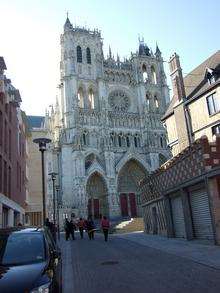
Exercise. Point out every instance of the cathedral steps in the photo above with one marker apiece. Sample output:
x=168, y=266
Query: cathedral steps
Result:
x=132, y=225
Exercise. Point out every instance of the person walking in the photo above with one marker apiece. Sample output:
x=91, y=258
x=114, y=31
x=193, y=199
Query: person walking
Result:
x=90, y=227
x=67, y=229
x=72, y=228
x=81, y=226
x=105, y=224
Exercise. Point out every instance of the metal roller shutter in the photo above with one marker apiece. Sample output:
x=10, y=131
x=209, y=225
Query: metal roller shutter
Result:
x=202, y=223
x=178, y=217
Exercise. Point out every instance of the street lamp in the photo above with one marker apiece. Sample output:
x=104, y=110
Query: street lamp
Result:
x=58, y=216
x=42, y=142
x=53, y=177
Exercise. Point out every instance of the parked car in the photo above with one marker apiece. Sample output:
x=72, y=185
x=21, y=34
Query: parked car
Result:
x=30, y=261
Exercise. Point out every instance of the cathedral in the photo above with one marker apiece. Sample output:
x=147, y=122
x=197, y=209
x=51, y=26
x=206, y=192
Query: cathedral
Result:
x=106, y=125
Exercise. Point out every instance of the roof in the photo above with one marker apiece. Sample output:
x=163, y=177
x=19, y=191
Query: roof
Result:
x=2, y=64
x=35, y=121
x=195, y=82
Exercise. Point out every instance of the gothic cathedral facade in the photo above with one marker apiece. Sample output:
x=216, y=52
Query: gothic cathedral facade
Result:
x=106, y=124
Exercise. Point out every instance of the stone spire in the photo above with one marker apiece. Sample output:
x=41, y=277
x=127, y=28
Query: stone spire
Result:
x=67, y=26
x=158, y=52
x=110, y=52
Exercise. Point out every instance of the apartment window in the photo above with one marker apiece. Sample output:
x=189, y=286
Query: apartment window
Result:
x=10, y=144
x=10, y=112
x=213, y=102
x=20, y=178
x=216, y=129
x=5, y=178
x=0, y=173
x=9, y=181
x=1, y=128
x=6, y=137
x=17, y=175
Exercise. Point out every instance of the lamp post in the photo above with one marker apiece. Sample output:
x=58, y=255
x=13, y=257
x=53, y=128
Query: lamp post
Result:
x=58, y=215
x=42, y=142
x=53, y=177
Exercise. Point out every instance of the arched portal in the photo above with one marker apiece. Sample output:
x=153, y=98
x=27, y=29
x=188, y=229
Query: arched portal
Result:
x=97, y=196
x=128, y=188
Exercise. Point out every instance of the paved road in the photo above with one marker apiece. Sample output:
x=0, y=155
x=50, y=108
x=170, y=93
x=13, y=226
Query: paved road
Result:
x=123, y=266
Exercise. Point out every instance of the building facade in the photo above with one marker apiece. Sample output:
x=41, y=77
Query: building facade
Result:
x=106, y=124
x=13, y=181
x=34, y=200
x=194, y=110
x=182, y=197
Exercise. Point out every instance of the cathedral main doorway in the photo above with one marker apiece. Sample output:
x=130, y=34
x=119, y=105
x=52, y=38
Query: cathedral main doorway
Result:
x=97, y=196
x=128, y=188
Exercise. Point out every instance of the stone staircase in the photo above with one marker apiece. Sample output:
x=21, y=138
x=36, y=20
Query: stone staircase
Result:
x=132, y=225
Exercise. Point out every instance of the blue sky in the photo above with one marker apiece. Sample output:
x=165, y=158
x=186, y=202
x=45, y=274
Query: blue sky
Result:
x=30, y=31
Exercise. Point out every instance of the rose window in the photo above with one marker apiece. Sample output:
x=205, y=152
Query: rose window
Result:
x=119, y=101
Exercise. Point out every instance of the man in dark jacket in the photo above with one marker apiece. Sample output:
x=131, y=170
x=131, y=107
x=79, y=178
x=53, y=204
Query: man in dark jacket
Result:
x=72, y=228
x=67, y=229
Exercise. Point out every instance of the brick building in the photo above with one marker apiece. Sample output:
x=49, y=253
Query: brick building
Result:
x=12, y=153
x=182, y=197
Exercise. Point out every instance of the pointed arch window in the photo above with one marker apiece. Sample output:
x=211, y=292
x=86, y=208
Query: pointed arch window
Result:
x=88, y=56
x=79, y=54
x=80, y=98
x=119, y=140
x=128, y=140
x=161, y=141
x=153, y=75
x=137, y=141
x=85, y=138
x=91, y=99
x=147, y=100
x=156, y=102
x=112, y=136
x=144, y=72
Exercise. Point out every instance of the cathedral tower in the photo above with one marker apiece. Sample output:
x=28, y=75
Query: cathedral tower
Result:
x=108, y=115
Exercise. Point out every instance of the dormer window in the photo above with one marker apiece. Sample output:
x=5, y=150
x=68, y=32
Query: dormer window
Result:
x=210, y=76
x=211, y=79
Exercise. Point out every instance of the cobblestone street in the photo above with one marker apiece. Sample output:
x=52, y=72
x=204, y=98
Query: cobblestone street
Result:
x=122, y=265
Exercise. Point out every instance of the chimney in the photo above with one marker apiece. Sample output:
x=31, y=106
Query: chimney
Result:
x=177, y=77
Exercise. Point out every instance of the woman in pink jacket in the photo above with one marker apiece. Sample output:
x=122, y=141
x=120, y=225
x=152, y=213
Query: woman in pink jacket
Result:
x=105, y=224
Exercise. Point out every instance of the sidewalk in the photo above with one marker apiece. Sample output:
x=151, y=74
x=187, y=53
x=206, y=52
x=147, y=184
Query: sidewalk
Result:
x=205, y=254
